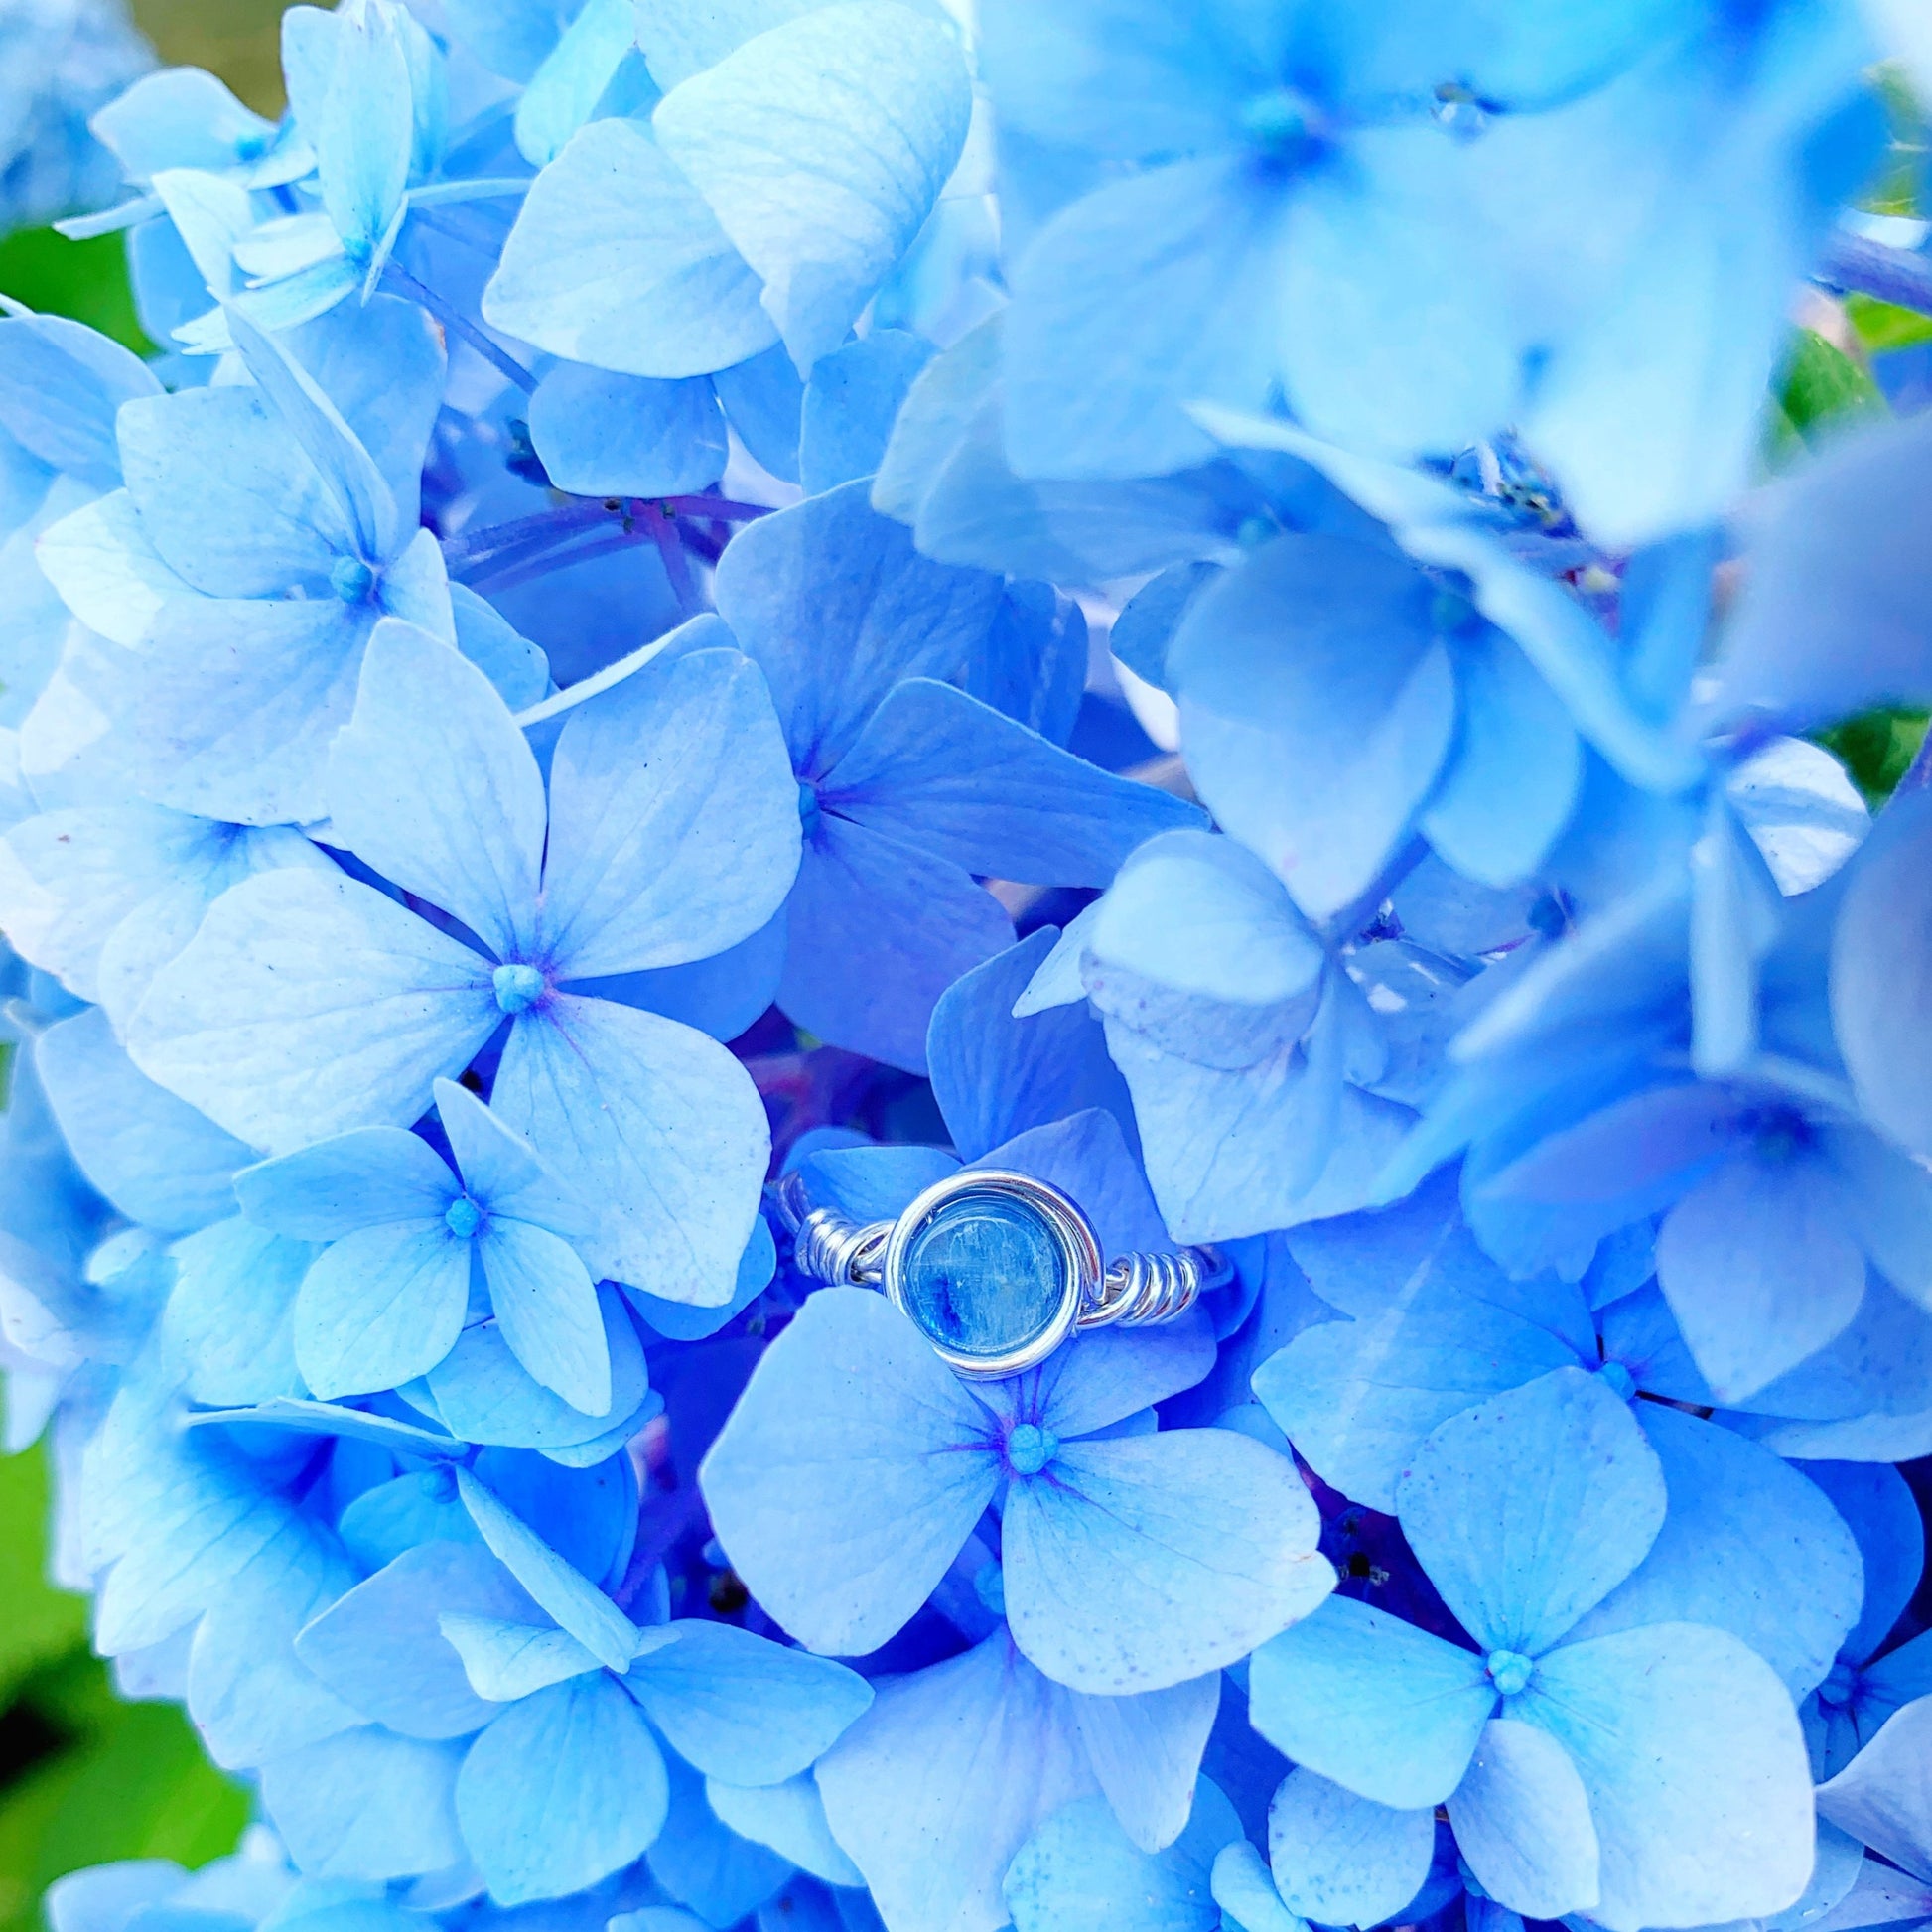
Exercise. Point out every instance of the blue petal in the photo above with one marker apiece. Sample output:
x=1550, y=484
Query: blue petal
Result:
x=837, y=607
x=617, y=261
x=599, y=434
x=925, y=921
x=1318, y=706
x=505, y=1660
x=849, y=1475
x=1245, y=1891
x=1135, y=1564
x=742, y=1707
x=231, y=1313
x=764, y=399
x=63, y=387
x=994, y=1076
x=1342, y=1858
x=934, y=1791
x=1695, y=1766
x=1522, y=1821
x=1877, y=1506
x=1760, y=1270
x=500, y=1171
x=703, y=1865
x=1080, y=1871
x=661, y=1121
x=584, y=1611
x=1087, y=1157
x=1447, y=1329
x=821, y=147
x=547, y=1311
x=1748, y=1545
x=1529, y=1509
x=432, y=783
x=355, y=1181
x=1881, y=1796
x=366, y=1805
x=789, y=1818
x=380, y=1647
x=1377, y=1707
x=850, y=405
x=362, y=135
x=562, y=93
x=381, y=1307
x=1131, y=304
x=157, y=1160
x=563, y=1789
x=1146, y=1753
x=963, y=781
x=673, y=819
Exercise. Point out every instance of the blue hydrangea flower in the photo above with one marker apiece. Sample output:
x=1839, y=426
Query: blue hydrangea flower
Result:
x=1628, y=1775
x=287, y=968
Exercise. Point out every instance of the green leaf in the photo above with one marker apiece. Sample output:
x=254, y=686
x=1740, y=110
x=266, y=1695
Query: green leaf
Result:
x=1876, y=748
x=1883, y=326
x=40, y=1623
x=1820, y=387
x=87, y=280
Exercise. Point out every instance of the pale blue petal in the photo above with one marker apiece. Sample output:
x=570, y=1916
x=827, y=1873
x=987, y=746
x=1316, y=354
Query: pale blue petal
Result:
x=839, y=1487
x=231, y=1313
x=821, y=147
x=1134, y=1564
x=228, y=708
x=1522, y=1821
x=63, y=387
x=1877, y=1506
x=936, y=1788
x=381, y=1649
x=564, y=92
x=789, y=1818
x=1137, y=301
x=1760, y=1270
x=1317, y=706
x=764, y=399
x=599, y=434
x=673, y=819
x=503, y=1660
x=662, y=1121
x=1081, y=1873
x=1146, y=1753
x=227, y=495
x=563, y=1789
x=381, y=1307
x=433, y=785
x=1087, y=1157
x=362, y=134
x=1372, y=1703
x=837, y=607
x=1695, y=1766
x=994, y=1076
x=156, y=1158
x=579, y=1607
x=366, y=1805
x=1244, y=1890
x=1529, y=1509
x=486, y=1395
x=964, y=782
x=515, y=666
x=108, y=574
x=546, y=1308
x=1344, y=1860
x=1883, y=1795
x=617, y=261
x=1886, y=1199
x=744, y=1708
x=500, y=1170
x=703, y=1865
x=850, y=405
x=355, y=1181
x=1108, y=1377
x=1748, y=1545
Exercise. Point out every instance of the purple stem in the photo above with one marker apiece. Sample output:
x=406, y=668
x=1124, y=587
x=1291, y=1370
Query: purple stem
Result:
x=522, y=570
x=677, y=565
x=1897, y=275
x=459, y=325
x=476, y=549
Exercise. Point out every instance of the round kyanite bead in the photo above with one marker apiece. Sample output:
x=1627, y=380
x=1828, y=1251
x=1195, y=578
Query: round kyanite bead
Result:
x=1510, y=1671
x=984, y=1275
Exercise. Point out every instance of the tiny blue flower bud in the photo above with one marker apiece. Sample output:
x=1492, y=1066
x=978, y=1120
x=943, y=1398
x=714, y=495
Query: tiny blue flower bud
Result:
x=1510, y=1671
x=519, y=988
x=351, y=579
x=1619, y=1378
x=463, y=1217
x=1030, y=1448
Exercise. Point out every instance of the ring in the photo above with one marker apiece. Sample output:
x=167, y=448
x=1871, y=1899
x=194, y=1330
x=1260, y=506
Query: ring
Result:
x=995, y=1269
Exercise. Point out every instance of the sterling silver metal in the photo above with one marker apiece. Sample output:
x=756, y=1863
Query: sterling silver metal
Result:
x=1133, y=1290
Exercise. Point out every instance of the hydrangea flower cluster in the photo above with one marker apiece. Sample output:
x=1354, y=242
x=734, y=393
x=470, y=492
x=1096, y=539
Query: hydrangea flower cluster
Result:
x=712, y=603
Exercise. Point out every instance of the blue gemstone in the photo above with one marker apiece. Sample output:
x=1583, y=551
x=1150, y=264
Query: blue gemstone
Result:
x=984, y=1275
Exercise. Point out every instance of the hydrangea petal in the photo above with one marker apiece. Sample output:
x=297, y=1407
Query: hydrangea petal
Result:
x=546, y=1306
x=353, y=1181
x=1343, y=1860
x=381, y=1307
x=366, y=1805
x=1522, y=1821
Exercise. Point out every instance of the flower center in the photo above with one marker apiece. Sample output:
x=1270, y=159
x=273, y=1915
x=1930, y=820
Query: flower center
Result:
x=807, y=808
x=1282, y=122
x=463, y=1217
x=351, y=579
x=519, y=988
x=1838, y=1686
x=1510, y=1670
x=1030, y=1448
x=1614, y=1376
